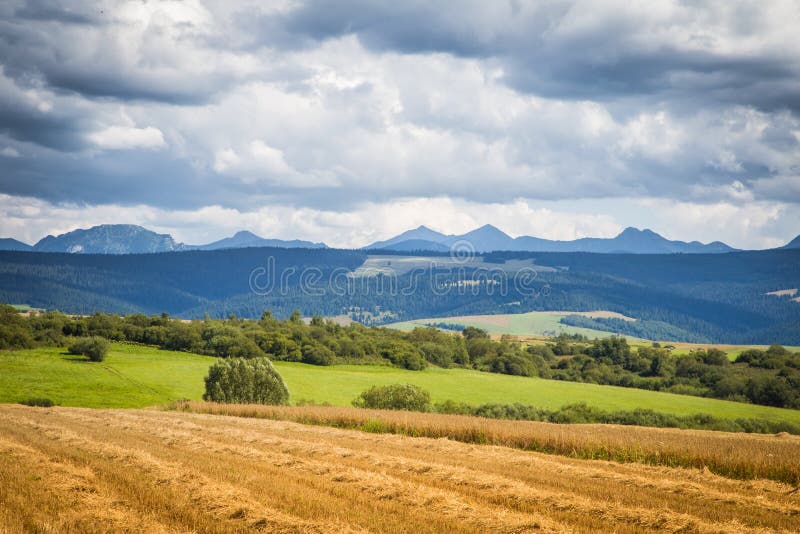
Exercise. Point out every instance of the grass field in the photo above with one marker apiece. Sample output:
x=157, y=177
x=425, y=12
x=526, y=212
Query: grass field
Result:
x=78, y=470
x=135, y=376
x=533, y=324
x=131, y=376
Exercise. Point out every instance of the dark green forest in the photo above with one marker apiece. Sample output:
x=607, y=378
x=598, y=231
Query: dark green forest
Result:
x=770, y=377
x=718, y=298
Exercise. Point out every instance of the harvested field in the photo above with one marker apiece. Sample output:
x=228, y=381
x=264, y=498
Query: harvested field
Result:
x=83, y=470
x=735, y=455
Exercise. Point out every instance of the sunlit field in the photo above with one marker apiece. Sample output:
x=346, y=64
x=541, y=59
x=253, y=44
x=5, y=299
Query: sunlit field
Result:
x=135, y=376
x=79, y=470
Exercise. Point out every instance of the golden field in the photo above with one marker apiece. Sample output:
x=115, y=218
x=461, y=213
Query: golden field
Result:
x=83, y=470
x=735, y=455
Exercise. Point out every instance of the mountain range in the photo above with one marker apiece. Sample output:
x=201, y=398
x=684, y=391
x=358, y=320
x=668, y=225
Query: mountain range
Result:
x=488, y=238
x=133, y=239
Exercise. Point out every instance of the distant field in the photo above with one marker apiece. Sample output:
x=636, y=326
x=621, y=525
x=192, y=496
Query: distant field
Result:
x=135, y=376
x=78, y=470
x=534, y=324
x=399, y=265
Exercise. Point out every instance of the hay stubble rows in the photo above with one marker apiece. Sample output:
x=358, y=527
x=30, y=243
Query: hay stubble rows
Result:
x=79, y=470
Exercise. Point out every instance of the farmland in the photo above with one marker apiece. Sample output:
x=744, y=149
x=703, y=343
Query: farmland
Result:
x=537, y=326
x=138, y=376
x=531, y=324
x=78, y=470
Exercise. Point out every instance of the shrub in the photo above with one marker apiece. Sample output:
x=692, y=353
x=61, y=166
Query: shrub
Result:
x=407, y=359
x=395, y=397
x=38, y=401
x=318, y=355
x=95, y=348
x=15, y=331
x=245, y=380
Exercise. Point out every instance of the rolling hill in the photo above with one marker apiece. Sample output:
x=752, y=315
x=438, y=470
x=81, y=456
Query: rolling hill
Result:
x=7, y=243
x=245, y=239
x=719, y=298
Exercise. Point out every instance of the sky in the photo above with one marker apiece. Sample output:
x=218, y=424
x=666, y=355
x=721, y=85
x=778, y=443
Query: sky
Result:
x=351, y=121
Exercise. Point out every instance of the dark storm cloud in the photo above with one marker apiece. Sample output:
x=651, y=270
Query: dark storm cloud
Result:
x=611, y=60
x=56, y=11
x=85, y=49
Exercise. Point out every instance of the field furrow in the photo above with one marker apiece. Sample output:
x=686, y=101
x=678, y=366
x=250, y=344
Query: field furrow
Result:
x=129, y=470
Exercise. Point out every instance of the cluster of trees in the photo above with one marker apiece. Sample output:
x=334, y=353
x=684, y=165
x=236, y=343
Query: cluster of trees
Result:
x=770, y=377
x=395, y=397
x=241, y=380
x=95, y=348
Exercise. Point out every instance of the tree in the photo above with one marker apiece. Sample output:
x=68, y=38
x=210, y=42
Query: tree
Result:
x=318, y=355
x=15, y=331
x=95, y=348
x=472, y=332
x=395, y=397
x=240, y=380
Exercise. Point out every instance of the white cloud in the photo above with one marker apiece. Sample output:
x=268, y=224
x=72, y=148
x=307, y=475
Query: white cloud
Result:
x=9, y=152
x=127, y=137
x=225, y=159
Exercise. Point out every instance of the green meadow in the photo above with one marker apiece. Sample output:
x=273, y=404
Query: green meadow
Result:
x=136, y=376
x=534, y=324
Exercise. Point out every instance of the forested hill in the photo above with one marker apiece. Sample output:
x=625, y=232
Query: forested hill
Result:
x=713, y=297
x=151, y=283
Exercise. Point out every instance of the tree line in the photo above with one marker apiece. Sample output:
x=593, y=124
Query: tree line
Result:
x=770, y=377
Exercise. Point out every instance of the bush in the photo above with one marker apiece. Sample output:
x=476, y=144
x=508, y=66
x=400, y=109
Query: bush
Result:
x=38, y=401
x=395, y=397
x=318, y=355
x=95, y=348
x=15, y=331
x=245, y=380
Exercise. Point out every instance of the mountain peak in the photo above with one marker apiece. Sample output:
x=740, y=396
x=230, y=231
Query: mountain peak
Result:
x=488, y=229
x=633, y=232
x=794, y=243
x=420, y=233
x=108, y=239
x=246, y=234
x=8, y=243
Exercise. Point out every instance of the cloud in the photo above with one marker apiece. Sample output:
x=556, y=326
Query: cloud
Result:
x=325, y=109
x=9, y=152
x=125, y=137
x=155, y=51
x=731, y=54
